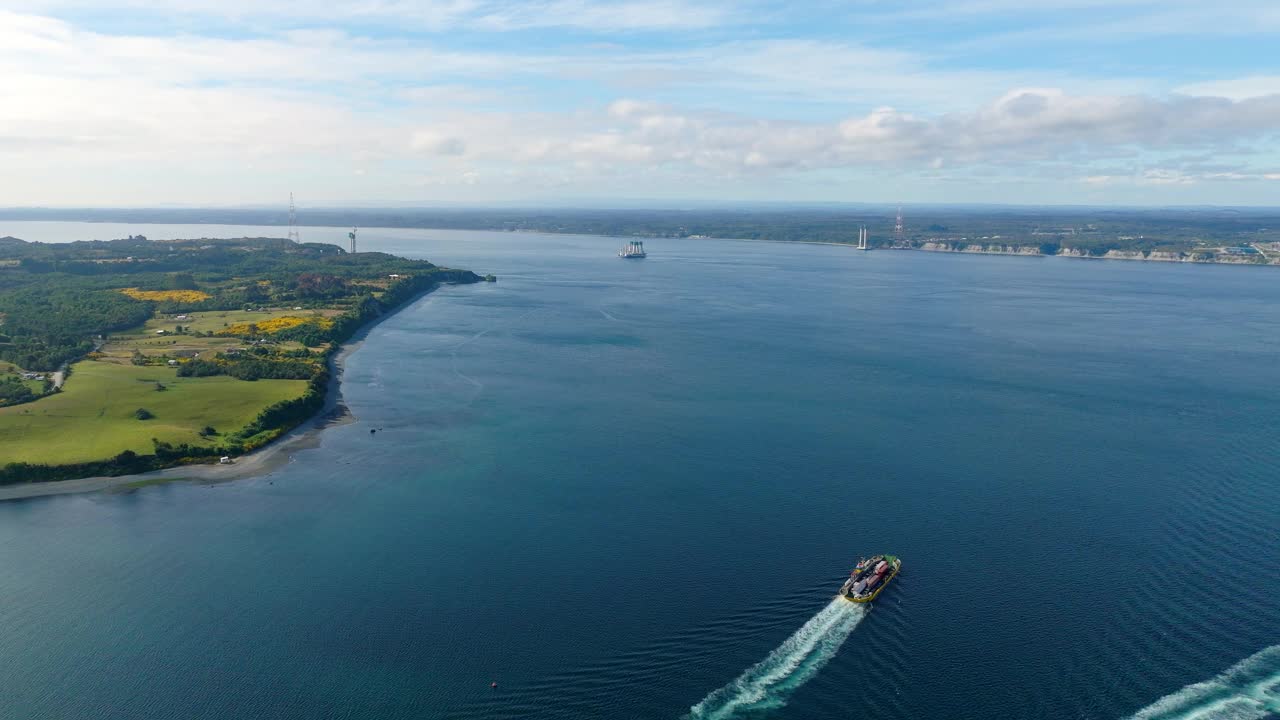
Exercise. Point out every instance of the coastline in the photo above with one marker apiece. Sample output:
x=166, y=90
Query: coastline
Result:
x=263, y=461
x=1014, y=250
x=1130, y=255
x=928, y=246
x=1031, y=252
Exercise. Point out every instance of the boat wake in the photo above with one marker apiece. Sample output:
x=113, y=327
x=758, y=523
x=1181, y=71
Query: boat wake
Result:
x=1249, y=690
x=768, y=683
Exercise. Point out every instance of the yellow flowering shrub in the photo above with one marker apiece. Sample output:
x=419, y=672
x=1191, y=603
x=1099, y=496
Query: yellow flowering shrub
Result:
x=275, y=325
x=186, y=296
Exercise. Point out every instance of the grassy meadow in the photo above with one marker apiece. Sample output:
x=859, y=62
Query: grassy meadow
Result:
x=93, y=417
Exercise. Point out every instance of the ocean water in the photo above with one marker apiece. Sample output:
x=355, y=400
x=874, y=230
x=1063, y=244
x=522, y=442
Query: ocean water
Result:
x=629, y=489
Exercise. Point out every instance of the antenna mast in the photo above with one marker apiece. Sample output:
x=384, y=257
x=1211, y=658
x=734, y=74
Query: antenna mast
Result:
x=352, y=236
x=897, y=228
x=293, y=221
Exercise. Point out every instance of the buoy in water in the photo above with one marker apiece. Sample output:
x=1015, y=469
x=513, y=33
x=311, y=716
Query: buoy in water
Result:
x=372, y=430
x=493, y=684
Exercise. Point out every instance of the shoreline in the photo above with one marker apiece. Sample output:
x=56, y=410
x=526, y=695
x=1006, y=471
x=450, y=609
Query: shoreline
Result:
x=263, y=461
x=1113, y=255
x=1131, y=255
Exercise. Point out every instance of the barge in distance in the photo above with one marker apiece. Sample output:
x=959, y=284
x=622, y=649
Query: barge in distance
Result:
x=870, y=577
x=633, y=250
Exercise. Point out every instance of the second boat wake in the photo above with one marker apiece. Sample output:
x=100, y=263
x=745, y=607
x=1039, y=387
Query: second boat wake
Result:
x=1249, y=690
x=769, y=683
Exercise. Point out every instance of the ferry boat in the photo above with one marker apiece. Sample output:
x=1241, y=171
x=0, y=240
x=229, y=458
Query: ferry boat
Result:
x=870, y=577
x=633, y=249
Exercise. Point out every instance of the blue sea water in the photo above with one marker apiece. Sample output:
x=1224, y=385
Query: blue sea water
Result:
x=629, y=489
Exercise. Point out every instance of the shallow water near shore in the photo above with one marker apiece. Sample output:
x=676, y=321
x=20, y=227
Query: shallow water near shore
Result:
x=629, y=489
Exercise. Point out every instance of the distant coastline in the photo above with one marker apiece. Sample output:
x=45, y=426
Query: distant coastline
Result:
x=1207, y=235
x=1151, y=256
x=1030, y=251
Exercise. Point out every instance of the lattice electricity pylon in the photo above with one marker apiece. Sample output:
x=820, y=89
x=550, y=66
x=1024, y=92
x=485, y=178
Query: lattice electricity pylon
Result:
x=293, y=221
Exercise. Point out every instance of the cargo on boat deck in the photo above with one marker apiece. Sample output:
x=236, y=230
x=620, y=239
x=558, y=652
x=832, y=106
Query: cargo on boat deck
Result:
x=870, y=578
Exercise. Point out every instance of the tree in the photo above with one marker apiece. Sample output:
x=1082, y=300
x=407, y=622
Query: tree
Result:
x=138, y=358
x=143, y=414
x=256, y=294
x=320, y=285
x=181, y=281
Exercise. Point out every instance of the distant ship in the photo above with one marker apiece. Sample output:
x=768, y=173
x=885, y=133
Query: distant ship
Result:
x=870, y=577
x=633, y=249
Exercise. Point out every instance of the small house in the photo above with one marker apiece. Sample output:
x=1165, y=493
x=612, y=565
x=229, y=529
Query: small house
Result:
x=224, y=460
x=173, y=363
x=161, y=332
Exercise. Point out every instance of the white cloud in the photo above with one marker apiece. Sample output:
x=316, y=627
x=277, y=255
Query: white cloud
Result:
x=1165, y=176
x=1254, y=86
x=1025, y=128
x=398, y=113
x=437, y=143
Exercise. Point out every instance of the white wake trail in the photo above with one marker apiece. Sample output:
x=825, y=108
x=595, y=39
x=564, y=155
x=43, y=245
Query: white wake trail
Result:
x=768, y=683
x=1249, y=690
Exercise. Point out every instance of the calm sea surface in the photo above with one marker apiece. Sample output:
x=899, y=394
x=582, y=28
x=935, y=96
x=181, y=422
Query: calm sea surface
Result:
x=629, y=489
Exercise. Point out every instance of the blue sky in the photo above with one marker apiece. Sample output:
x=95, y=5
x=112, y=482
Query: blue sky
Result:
x=390, y=102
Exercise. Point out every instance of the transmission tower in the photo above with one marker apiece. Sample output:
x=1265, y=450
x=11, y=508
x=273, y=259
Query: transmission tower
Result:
x=293, y=221
x=352, y=236
x=897, y=228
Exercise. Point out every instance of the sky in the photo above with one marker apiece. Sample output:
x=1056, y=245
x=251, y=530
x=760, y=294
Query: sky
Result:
x=145, y=103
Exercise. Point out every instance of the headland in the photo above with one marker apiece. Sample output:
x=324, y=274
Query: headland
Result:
x=217, y=357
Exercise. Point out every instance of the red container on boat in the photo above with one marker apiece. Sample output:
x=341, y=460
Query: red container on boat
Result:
x=881, y=566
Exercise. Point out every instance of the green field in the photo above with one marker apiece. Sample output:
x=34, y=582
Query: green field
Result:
x=93, y=417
